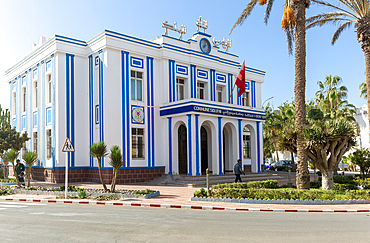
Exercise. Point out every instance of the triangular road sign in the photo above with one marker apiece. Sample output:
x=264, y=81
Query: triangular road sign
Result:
x=68, y=147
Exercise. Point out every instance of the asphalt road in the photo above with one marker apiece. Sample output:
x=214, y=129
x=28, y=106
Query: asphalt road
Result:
x=37, y=222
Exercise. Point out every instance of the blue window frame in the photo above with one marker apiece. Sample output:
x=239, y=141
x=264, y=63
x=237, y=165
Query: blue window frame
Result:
x=48, y=116
x=35, y=121
x=23, y=123
x=97, y=115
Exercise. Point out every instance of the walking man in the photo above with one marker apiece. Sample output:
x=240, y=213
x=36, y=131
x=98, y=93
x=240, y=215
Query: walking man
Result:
x=19, y=170
x=238, y=170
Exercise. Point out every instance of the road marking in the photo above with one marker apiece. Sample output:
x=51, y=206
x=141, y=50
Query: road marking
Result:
x=17, y=203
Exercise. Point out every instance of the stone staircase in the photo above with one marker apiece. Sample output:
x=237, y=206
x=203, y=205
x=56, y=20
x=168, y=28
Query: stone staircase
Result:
x=200, y=181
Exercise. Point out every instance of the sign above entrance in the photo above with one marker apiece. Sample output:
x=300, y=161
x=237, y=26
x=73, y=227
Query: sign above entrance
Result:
x=215, y=111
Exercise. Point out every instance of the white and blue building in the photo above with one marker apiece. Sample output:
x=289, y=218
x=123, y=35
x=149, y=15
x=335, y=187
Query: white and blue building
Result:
x=165, y=102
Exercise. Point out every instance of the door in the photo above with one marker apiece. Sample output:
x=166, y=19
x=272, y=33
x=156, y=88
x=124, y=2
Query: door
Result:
x=182, y=149
x=204, y=150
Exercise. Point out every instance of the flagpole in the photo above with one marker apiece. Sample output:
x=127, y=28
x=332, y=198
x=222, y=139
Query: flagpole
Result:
x=231, y=93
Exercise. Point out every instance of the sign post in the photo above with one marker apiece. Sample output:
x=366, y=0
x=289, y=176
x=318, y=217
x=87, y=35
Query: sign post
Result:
x=67, y=147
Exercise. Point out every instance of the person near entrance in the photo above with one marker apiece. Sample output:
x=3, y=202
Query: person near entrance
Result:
x=238, y=170
x=19, y=170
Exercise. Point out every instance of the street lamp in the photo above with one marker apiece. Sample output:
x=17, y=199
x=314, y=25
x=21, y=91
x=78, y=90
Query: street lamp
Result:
x=267, y=100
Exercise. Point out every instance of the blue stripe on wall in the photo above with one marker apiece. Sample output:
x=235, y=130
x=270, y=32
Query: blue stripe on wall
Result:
x=101, y=101
x=254, y=93
x=123, y=85
x=197, y=145
x=240, y=131
x=149, y=109
x=189, y=145
x=91, y=104
x=213, y=84
x=170, y=145
x=193, y=81
x=152, y=108
x=128, y=112
x=67, y=101
x=220, y=150
x=38, y=116
x=230, y=84
x=73, y=109
x=171, y=80
x=258, y=148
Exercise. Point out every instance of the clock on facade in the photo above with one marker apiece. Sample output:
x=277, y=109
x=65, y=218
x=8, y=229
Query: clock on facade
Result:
x=205, y=46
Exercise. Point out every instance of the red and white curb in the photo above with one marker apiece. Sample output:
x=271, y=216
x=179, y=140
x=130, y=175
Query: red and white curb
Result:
x=153, y=205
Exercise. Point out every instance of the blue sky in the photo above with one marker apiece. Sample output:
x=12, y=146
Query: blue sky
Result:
x=262, y=47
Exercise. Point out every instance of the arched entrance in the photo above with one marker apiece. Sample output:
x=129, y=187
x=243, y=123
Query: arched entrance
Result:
x=204, y=150
x=182, y=149
x=229, y=147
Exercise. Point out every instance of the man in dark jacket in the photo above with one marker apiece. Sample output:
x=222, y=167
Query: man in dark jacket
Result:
x=19, y=170
x=238, y=170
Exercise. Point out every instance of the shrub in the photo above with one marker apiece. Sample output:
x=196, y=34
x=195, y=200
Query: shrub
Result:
x=315, y=184
x=82, y=194
x=146, y=191
x=200, y=193
x=263, y=184
x=344, y=187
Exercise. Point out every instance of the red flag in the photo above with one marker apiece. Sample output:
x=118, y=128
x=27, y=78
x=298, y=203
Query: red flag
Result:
x=240, y=81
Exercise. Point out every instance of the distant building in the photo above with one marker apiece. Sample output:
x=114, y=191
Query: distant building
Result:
x=164, y=102
x=362, y=118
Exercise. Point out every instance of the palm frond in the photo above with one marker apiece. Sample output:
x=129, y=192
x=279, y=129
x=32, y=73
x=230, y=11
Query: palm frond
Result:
x=340, y=30
x=268, y=10
x=289, y=33
x=335, y=7
x=246, y=12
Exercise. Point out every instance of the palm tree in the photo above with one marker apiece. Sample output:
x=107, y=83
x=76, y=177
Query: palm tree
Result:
x=30, y=158
x=294, y=25
x=98, y=151
x=11, y=156
x=347, y=14
x=116, y=162
x=363, y=90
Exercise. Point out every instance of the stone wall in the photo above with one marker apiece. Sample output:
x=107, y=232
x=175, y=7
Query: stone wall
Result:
x=92, y=175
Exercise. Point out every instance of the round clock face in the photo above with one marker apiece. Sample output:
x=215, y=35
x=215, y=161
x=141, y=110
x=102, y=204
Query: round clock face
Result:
x=205, y=46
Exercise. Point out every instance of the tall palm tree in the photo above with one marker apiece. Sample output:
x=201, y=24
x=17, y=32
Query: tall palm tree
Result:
x=293, y=23
x=30, y=158
x=98, y=151
x=348, y=13
x=116, y=162
x=11, y=156
x=363, y=90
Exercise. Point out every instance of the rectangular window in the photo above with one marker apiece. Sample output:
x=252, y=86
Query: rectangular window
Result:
x=219, y=93
x=23, y=122
x=136, y=85
x=24, y=99
x=49, y=88
x=48, y=144
x=35, y=119
x=97, y=114
x=34, y=139
x=137, y=143
x=180, y=83
x=245, y=99
x=246, y=147
x=200, y=90
x=34, y=94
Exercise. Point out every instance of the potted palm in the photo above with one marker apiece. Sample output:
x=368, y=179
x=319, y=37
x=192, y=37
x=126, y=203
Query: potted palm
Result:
x=30, y=158
x=116, y=162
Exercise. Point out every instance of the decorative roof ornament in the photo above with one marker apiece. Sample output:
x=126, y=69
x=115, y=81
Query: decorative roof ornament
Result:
x=225, y=44
x=174, y=28
x=203, y=25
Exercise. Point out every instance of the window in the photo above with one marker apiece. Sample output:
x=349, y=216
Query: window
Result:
x=219, y=93
x=136, y=85
x=49, y=88
x=34, y=139
x=24, y=99
x=14, y=104
x=137, y=143
x=34, y=94
x=180, y=83
x=97, y=114
x=246, y=147
x=48, y=144
x=200, y=90
x=245, y=99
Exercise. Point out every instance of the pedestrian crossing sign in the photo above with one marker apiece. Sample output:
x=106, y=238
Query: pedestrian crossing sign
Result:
x=68, y=147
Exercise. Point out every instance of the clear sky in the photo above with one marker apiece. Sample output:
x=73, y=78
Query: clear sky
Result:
x=262, y=47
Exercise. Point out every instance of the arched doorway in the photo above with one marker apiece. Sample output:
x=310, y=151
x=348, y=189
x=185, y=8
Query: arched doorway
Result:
x=182, y=149
x=229, y=148
x=204, y=150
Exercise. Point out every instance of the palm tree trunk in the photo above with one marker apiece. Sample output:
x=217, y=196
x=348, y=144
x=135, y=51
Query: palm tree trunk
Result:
x=29, y=177
x=101, y=176
x=302, y=177
x=367, y=68
x=327, y=180
x=113, y=186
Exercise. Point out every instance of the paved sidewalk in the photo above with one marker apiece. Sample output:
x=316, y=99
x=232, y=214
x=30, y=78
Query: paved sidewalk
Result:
x=178, y=196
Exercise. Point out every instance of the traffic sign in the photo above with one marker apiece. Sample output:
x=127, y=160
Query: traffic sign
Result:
x=68, y=147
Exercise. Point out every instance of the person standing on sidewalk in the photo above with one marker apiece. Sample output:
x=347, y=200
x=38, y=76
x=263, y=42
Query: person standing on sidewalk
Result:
x=238, y=170
x=19, y=170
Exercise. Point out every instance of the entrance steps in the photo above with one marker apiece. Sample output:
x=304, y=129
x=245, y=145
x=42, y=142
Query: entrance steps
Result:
x=200, y=181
